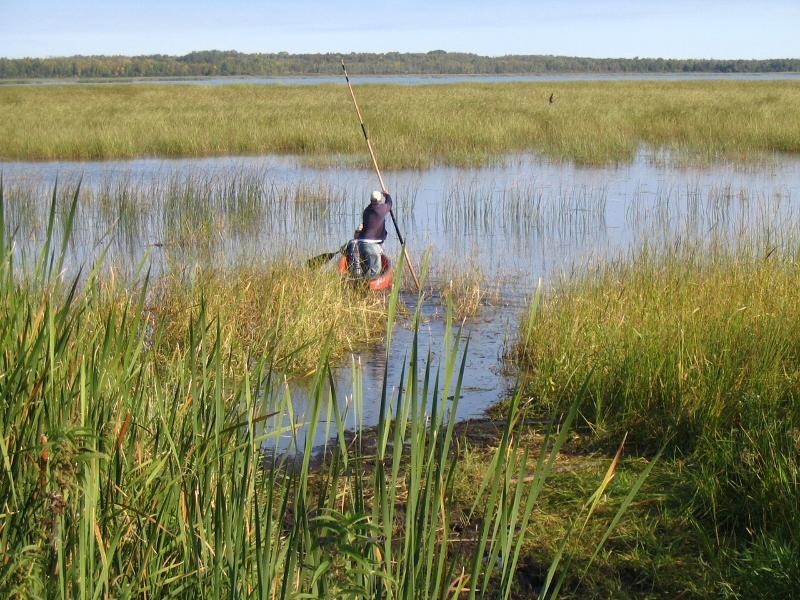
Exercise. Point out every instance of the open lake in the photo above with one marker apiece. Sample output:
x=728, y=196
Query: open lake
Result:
x=424, y=79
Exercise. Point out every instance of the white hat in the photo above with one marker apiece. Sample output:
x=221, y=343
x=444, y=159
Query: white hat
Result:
x=376, y=196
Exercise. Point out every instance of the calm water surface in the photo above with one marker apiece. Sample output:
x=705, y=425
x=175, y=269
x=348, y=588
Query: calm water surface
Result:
x=424, y=79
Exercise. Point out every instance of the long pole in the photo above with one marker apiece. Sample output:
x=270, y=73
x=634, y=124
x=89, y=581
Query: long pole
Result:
x=380, y=177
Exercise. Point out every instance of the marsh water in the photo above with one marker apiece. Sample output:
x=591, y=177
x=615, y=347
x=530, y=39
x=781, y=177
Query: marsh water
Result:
x=516, y=222
x=419, y=79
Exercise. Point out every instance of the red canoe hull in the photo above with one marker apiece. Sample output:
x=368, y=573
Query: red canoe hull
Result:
x=382, y=282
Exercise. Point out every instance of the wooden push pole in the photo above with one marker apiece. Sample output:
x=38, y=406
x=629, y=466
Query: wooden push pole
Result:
x=380, y=178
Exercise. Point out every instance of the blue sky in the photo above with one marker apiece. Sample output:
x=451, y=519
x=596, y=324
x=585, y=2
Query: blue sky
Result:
x=608, y=28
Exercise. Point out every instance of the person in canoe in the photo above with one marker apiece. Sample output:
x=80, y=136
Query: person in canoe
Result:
x=366, y=249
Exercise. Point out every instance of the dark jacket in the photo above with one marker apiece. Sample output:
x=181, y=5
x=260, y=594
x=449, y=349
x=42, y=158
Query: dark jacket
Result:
x=374, y=220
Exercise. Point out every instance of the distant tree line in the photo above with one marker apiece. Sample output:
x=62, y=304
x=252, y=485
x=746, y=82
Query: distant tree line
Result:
x=437, y=62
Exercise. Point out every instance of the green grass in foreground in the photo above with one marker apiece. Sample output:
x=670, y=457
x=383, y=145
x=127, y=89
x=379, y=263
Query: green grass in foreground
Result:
x=701, y=346
x=128, y=471
x=653, y=553
x=411, y=126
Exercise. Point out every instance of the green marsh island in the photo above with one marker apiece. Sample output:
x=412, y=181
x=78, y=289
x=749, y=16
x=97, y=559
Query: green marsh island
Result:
x=593, y=392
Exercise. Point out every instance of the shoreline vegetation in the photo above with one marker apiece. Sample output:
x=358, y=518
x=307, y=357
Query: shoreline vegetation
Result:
x=437, y=62
x=419, y=127
x=294, y=314
x=131, y=472
x=696, y=346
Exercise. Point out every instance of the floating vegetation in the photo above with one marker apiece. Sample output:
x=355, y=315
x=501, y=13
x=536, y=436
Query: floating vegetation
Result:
x=520, y=208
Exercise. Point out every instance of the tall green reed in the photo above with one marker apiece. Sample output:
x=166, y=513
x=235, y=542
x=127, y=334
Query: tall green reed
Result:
x=130, y=473
x=697, y=343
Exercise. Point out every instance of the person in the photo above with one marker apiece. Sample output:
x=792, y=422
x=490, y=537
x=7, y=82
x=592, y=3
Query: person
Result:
x=371, y=235
x=353, y=256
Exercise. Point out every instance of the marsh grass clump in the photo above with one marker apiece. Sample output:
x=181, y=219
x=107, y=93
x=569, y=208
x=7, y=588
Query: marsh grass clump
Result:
x=521, y=208
x=277, y=307
x=180, y=214
x=726, y=325
x=699, y=345
x=465, y=288
x=419, y=126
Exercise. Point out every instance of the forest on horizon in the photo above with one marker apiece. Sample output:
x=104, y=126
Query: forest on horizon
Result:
x=437, y=62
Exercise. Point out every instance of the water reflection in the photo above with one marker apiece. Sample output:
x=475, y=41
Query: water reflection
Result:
x=524, y=218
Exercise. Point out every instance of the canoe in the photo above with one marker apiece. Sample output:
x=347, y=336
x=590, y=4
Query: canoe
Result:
x=381, y=282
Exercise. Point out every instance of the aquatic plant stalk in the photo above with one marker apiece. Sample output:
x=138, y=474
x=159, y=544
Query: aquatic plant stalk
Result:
x=131, y=473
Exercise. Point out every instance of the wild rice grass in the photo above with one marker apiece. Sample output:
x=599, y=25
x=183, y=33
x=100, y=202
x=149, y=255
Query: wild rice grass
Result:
x=699, y=346
x=465, y=289
x=128, y=471
x=285, y=310
x=411, y=126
